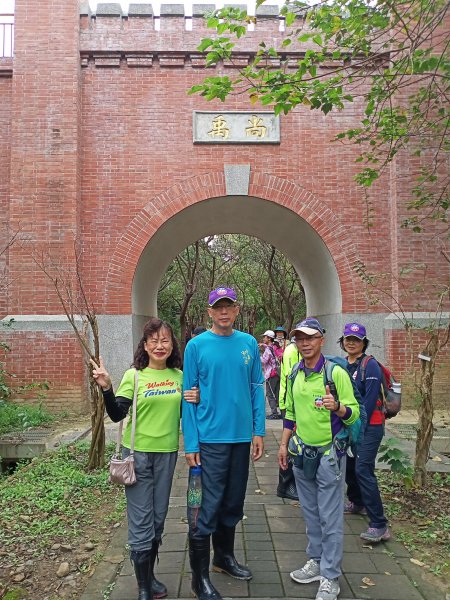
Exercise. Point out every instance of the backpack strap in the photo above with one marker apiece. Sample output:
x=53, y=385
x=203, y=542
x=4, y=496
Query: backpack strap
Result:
x=328, y=377
x=363, y=365
x=277, y=362
x=294, y=372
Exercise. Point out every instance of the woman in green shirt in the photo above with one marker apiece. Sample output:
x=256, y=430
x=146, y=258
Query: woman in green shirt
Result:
x=157, y=360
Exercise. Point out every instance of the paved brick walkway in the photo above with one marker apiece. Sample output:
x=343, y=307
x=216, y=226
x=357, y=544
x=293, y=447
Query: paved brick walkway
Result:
x=271, y=540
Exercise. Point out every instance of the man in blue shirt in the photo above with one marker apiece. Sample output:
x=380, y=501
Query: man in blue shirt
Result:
x=218, y=432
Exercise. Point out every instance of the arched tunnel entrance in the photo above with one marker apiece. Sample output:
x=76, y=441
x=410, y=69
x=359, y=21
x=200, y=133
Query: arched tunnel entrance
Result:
x=263, y=219
x=254, y=216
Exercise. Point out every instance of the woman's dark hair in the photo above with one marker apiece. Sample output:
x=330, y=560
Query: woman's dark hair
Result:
x=341, y=343
x=141, y=358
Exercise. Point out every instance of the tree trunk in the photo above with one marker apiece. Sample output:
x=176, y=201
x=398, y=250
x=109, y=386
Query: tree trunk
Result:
x=96, y=458
x=425, y=410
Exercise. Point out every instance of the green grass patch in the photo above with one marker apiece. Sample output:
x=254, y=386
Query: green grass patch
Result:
x=54, y=499
x=420, y=518
x=19, y=417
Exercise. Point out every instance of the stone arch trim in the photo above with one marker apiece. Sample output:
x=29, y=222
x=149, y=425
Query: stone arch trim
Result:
x=211, y=185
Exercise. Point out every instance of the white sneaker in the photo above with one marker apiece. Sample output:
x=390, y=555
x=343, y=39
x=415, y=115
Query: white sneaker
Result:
x=328, y=589
x=308, y=573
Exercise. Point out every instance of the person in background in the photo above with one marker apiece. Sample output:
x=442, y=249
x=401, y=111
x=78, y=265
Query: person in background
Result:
x=291, y=356
x=362, y=485
x=286, y=487
x=197, y=331
x=218, y=433
x=157, y=360
x=320, y=464
x=271, y=369
x=281, y=338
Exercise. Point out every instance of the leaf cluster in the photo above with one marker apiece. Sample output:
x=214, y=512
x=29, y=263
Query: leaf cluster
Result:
x=20, y=417
x=391, y=55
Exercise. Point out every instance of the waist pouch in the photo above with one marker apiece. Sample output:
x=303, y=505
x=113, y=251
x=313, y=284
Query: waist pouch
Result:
x=311, y=461
x=306, y=457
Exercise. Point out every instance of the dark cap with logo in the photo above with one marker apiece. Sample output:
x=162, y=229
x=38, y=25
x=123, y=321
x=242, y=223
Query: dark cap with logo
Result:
x=310, y=326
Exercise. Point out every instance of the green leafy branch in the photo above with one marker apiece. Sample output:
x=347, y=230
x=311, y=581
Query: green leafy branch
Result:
x=393, y=55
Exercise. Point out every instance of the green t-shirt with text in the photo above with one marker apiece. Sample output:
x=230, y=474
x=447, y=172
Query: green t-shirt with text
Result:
x=158, y=409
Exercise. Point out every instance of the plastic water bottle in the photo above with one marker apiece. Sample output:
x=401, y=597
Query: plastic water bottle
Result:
x=396, y=387
x=194, y=492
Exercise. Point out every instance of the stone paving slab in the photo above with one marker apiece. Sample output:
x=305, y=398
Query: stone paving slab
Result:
x=271, y=540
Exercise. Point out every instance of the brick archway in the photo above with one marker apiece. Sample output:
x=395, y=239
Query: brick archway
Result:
x=191, y=191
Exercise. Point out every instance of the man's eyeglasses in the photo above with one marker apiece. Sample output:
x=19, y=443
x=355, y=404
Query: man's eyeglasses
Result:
x=300, y=340
x=223, y=306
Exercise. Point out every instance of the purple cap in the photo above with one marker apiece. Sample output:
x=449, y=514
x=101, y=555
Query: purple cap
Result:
x=355, y=330
x=310, y=326
x=220, y=293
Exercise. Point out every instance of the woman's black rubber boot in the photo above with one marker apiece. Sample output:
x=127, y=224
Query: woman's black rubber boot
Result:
x=224, y=560
x=159, y=590
x=141, y=564
x=202, y=587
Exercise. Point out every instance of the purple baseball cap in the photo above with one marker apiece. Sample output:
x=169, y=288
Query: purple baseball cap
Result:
x=355, y=330
x=220, y=293
x=310, y=326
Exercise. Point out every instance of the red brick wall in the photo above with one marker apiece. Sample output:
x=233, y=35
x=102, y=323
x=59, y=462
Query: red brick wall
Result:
x=5, y=149
x=45, y=122
x=402, y=357
x=52, y=357
x=137, y=122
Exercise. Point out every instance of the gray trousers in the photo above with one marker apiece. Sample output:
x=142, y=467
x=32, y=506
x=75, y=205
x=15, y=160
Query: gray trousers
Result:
x=322, y=501
x=148, y=498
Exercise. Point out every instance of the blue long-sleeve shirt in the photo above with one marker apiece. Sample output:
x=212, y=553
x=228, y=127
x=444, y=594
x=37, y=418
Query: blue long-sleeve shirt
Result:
x=227, y=371
x=369, y=388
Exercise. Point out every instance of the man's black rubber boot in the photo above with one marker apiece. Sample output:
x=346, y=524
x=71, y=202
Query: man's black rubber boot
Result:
x=202, y=587
x=159, y=590
x=224, y=560
x=141, y=564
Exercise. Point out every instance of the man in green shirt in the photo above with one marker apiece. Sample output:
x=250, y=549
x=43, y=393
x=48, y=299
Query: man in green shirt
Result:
x=320, y=463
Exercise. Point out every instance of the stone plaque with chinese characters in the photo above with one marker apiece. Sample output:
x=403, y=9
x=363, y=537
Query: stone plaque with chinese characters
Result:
x=236, y=127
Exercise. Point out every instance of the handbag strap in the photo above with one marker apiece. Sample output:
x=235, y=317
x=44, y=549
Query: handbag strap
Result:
x=133, y=418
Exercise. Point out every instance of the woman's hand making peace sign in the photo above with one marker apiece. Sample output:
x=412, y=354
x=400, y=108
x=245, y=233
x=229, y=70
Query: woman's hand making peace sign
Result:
x=100, y=374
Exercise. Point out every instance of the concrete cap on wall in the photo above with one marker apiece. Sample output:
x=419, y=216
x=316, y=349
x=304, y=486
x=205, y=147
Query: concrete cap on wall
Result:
x=239, y=6
x=109, y=9
x=200, y=10
x=268, y=10
x=172, y=10
x=85, y=9
x=140, y=10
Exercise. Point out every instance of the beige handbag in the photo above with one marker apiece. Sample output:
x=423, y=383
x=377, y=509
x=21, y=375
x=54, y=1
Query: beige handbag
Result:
x=121, y=470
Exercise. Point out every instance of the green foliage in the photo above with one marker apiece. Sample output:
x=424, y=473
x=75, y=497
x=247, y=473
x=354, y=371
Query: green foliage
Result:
x=16, y=594
x=393, y=55
x=420, y=518
x=269, y=289
x=50, y=499
x=19, y=417
x=398, y=460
